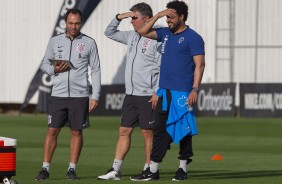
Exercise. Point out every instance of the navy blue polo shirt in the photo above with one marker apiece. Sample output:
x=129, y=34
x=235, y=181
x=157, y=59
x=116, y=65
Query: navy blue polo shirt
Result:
x=177, y=64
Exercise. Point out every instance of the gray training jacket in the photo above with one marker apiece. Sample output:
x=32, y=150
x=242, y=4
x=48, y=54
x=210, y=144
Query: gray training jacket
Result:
x=142, y=61
x=82, y=52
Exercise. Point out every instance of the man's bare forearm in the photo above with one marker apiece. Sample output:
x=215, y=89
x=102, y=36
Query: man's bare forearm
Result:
x=145, y=29
x=199, y=71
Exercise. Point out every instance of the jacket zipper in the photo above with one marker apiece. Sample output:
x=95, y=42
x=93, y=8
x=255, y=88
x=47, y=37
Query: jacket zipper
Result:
x=69, y=70
x=133, y=63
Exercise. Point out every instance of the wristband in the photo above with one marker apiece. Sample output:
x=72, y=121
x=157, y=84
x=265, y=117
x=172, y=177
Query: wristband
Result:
x=117, y=17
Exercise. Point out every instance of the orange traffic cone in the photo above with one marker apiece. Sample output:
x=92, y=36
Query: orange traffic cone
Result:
x=217, y=157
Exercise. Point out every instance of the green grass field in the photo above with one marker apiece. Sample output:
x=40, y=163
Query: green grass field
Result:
x=252, y=151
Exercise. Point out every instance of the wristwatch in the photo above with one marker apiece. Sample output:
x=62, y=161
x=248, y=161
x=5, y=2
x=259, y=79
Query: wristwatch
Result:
x=195, y=89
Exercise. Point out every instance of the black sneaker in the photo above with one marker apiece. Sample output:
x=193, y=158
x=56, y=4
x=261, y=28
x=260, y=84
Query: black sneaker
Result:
x=146, y=176
x=43, y=174
x=180, y=175
x=71, y=175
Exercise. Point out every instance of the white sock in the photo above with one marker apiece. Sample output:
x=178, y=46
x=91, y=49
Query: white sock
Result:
x=182, y=164
x=117, y=165
x=72, y=165
x=46, y=165
x=154, y=166
x=145, y=166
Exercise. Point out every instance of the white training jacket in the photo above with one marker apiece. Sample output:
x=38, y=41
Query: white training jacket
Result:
x=142, y=60
x=81, y=52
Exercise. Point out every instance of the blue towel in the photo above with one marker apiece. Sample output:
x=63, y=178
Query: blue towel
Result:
x=181, y=122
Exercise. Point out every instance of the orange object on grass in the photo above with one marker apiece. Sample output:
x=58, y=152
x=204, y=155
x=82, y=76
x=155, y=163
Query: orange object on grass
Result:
x=217, y=157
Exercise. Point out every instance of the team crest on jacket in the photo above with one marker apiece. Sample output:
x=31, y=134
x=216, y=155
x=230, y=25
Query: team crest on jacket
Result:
x=182, y=101
x=146, y=43
x=80, y=47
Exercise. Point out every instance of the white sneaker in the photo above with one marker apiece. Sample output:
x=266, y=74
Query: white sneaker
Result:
x=111, y=175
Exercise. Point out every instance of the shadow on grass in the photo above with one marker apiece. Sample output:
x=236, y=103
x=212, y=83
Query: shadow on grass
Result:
x=234, y=175
x=221, y=174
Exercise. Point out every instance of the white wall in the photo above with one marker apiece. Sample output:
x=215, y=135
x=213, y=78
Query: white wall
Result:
x=26, y=27
x=257, y=42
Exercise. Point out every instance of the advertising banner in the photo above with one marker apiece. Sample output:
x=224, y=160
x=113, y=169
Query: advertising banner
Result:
x=261, y=100
x=111, y=100
x=216, y=99
x=41, y=81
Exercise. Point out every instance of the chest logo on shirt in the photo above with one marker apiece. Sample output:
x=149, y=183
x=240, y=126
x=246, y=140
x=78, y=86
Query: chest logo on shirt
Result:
x=181, y=40
x=80, y=47
x=146, y=44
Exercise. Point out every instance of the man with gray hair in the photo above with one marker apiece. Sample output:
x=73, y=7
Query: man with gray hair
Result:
x=141, y=81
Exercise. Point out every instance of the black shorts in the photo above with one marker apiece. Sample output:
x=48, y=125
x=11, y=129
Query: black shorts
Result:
x=137, y=111
x=71, y=112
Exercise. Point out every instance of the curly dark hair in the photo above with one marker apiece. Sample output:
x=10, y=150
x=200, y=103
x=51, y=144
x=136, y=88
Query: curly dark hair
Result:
x=180, y=6
x=143, y=8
